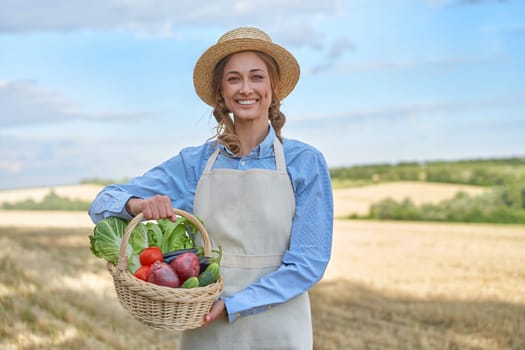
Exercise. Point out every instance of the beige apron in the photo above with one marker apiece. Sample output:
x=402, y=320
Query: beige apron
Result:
x=249, y=213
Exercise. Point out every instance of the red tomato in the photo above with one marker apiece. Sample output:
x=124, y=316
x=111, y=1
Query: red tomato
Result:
x=149, y=255
x=143, y=272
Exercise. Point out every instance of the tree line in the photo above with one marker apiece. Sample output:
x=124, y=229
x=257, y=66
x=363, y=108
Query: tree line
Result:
x=480, y=172
x=504, y=202
x=51, y=201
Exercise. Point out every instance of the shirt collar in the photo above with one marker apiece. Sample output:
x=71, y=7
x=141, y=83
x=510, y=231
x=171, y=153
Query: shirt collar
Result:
x=263, y=149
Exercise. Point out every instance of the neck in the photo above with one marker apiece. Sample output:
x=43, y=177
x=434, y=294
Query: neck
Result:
x=250, y=135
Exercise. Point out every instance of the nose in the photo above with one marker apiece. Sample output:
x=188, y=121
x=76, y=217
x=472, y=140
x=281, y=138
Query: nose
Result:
x=246, y=88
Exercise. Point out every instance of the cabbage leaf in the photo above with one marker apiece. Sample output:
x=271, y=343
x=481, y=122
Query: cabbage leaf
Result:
x=107, y=237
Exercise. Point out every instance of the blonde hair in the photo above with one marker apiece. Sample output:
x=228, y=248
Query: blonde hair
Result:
x=225, y=129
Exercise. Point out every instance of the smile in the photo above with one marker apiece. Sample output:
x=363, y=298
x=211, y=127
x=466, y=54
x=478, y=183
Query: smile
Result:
x=246, y=102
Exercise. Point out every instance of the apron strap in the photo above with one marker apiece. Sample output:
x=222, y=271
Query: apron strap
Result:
x=210, y=162
x=278, y=150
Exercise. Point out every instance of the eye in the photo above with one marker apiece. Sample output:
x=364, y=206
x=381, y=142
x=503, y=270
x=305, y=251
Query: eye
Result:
x=257, y=77
x=232, y=79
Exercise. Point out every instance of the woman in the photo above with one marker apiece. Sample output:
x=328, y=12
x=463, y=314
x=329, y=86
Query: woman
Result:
x=265, y=199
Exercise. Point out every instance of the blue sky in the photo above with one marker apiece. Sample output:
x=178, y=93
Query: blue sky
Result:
x=104, y=88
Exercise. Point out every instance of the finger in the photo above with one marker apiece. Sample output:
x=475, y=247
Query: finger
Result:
x=159, y=203
x=151, y=211
x=168, y=209
x=155, y=212
x=215, y=312
x=146, y=211
x=209, y=318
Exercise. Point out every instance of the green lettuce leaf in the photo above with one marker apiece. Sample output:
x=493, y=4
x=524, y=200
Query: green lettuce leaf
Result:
x=174, y=235
x=134, y=263
x=138, y=240
x=154, y=234
x=107, y=237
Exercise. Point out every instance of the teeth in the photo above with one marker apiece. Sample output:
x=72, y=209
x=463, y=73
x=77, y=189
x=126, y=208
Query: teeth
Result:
x=247, y=102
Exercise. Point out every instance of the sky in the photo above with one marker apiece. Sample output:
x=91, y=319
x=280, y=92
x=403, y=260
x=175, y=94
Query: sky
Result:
x=103, y=89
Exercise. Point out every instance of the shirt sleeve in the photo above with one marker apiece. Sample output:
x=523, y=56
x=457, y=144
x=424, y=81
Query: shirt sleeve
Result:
x=176, y=178
x=305, y=261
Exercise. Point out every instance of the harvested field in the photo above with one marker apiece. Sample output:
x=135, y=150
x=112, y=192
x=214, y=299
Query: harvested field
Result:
x=357, y=200
x=82, y=192
x=389, y=285
x=422, y=286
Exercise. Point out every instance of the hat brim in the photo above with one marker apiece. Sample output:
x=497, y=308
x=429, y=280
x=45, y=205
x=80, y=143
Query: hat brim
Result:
x=289, y=70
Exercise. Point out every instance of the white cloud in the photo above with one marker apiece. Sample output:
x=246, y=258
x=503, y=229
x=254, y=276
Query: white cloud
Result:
x=461, y=2
x=158, y=16
x=298, y=33
x=33, y=160
x=421, y=110
x=508, y=28
x=407, y=64
x=26, y=103
x=476, y=2
x=337, y=49
x=340, y=46
x=10, y=167
x=38, y=160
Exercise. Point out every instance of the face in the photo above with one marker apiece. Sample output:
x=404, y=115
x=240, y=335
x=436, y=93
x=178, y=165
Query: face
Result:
x=246, y=87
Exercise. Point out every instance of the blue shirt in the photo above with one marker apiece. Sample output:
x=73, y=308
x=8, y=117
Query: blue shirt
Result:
x=304, y=262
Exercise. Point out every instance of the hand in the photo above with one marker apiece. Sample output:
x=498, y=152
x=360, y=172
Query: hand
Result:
x=154, y=208
x=218, y=310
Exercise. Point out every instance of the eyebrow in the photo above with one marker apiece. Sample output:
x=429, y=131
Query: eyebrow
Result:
x=251, y=71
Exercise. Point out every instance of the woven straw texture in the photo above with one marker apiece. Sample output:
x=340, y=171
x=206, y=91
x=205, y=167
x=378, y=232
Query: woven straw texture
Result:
x=162, y=307
x=244, y=39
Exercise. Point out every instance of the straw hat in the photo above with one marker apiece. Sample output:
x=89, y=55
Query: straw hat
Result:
x=244, y=39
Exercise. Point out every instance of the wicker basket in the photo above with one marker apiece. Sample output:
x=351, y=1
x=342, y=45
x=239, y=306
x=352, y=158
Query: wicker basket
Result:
x=163, y=307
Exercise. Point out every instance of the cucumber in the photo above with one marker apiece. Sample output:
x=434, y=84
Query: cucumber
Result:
x=210, y=275
x=191, y=282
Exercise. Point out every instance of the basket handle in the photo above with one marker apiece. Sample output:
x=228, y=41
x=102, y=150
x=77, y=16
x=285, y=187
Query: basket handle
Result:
x=123, y=258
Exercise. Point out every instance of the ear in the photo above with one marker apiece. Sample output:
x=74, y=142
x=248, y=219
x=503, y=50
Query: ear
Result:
x=219, y=96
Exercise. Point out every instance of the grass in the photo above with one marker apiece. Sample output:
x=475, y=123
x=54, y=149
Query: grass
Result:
x=393, y=286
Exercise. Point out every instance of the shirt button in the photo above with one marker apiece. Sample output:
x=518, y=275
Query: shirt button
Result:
x=243, y=162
